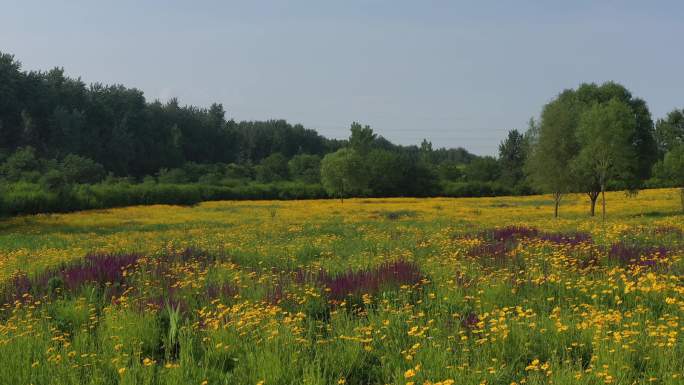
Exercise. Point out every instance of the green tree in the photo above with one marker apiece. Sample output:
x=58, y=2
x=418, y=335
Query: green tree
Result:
x=512, y=158
x=11, y=80
x=607, y=152
x=669, y=132
x=427, y=154
x=305, y=167
x=343, y=173
x=556, y=145
x=643, y=136
x=361, y=139
x=272, y=168
x=23, y=164
x=673, y=169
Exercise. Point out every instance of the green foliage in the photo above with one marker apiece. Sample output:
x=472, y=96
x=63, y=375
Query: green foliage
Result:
x=272, y=168
x=484, y=169
x=32, y=198
x=450, y=171
x=21, y=165
x=673, y=165
x=556, y=145
x=305, y=167
x=78, y=169
x=56, y=134
x=669, y=132
x=512, y=155
x=671, y=169
x=605, y=133
x=362, y=138
x=343, y=173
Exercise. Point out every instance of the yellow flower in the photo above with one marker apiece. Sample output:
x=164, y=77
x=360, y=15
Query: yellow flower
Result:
x=149, y=362
x=342, y=381
x=409, y=373
x=122, y=371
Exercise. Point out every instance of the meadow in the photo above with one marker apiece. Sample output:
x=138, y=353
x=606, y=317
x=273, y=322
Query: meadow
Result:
x=368, y=291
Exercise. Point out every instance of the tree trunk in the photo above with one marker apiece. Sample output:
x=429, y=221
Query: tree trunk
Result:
x=681, y=195
x=593, y=196
x=555, y=210
x=556, y=200
x=603, y=199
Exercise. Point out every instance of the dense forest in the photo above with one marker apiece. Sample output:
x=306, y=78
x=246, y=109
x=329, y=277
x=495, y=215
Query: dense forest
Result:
x=65, y=145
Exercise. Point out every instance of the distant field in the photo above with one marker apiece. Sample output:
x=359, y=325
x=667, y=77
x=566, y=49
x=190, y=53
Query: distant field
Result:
x=369, y=291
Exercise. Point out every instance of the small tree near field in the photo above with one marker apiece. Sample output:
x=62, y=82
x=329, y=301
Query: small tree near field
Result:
x=343, y=173
x=555, y=145
x=605, y=132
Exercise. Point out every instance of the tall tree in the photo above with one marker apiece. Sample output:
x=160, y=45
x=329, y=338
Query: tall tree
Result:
x=605, y=133
x=11, y=81
x=512, y=158
x=556, y=145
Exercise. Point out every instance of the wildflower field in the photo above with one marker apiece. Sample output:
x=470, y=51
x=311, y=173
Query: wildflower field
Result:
x=368, y=291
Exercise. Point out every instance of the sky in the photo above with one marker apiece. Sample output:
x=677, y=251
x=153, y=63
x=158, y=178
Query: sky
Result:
x=458, y=73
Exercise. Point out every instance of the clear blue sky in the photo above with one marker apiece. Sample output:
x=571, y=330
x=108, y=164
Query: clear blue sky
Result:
x=456, y=73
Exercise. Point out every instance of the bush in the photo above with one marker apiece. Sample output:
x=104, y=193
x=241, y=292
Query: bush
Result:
x=27, y=198
x=78, y=169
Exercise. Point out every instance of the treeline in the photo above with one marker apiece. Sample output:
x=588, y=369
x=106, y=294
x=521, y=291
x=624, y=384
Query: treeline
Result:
x=68, y=146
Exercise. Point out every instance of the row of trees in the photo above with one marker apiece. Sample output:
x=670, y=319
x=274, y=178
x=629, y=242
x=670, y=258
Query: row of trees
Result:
x=116, y=127
x=590, y=139
x=57, y=133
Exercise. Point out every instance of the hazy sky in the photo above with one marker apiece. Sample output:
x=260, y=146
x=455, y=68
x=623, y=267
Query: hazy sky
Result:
x=456, y=73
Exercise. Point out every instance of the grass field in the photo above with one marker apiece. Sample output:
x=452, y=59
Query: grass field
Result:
x=369, y=291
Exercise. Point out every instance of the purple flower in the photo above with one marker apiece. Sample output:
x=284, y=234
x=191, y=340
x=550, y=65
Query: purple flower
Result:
x=630, y=255
x=470, y=321
x=387, y=276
